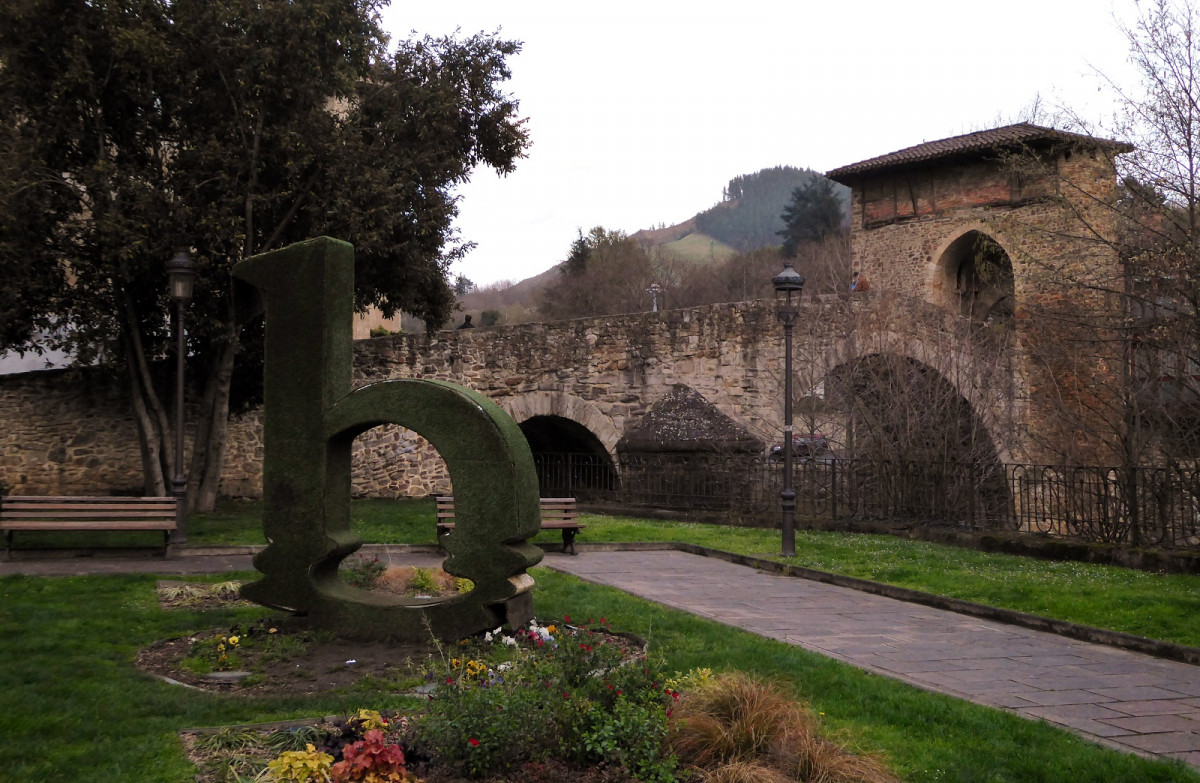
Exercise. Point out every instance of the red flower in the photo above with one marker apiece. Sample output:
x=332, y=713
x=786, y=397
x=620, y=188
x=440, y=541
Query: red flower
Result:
x=474, y=742
x=566, y=695
x=566, y=618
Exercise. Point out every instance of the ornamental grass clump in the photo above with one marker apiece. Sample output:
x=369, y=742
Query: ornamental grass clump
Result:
x=734, y=728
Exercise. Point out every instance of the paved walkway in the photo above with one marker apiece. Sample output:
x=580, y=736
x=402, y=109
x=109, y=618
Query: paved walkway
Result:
x=1126, y=700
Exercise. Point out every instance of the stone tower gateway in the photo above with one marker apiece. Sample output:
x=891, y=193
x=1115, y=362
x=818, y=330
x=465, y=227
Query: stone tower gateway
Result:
x=1012, y=229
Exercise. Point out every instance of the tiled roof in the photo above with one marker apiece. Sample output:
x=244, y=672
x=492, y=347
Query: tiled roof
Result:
x=970, y=145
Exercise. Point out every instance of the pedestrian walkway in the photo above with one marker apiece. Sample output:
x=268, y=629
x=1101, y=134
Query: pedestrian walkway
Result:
x=1126, y=700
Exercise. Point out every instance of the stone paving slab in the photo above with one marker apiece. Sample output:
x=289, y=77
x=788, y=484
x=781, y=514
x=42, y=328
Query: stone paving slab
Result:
x=1127, y=700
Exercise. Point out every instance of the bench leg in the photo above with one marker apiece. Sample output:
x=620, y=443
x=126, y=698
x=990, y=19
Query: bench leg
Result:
x=569, y=540
x=8, y=544
x=166, y=542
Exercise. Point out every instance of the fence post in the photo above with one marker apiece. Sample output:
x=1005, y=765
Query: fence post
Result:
x=833, y=489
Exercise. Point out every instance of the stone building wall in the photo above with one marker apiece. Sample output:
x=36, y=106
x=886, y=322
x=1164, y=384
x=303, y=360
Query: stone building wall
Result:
x=1055, y=229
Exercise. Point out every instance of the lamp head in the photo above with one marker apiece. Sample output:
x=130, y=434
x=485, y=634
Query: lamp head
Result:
x=787, y=281
x=181, y=274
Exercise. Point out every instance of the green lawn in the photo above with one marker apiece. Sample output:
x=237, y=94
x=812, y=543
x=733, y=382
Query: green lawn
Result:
x=1156, y=606
x=73, y=707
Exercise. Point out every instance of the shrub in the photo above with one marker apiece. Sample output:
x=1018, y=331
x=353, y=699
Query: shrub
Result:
x=300, y=766
x=372, y=759
x=580, y=694
x=363, y=572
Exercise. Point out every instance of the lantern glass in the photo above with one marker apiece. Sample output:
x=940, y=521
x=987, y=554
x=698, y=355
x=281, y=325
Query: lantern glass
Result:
x=181, y=274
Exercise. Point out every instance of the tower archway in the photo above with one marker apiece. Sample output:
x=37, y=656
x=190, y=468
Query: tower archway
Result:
x=974, y=274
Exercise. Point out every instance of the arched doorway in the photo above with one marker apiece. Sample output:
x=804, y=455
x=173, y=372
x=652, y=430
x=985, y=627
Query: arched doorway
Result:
x=977, y=279
x=571, y=461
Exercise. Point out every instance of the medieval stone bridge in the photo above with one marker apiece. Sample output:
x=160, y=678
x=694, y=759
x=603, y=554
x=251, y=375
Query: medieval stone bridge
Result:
x=957, y=248
x=578, y=386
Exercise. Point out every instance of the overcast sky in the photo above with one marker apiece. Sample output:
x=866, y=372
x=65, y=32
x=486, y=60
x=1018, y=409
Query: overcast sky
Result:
x=641, y=112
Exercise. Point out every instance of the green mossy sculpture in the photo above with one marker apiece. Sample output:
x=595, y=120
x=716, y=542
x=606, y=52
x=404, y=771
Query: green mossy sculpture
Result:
x=311, y=419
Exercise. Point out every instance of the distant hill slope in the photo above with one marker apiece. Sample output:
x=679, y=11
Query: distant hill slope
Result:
x=748, y=217
x=684, y=242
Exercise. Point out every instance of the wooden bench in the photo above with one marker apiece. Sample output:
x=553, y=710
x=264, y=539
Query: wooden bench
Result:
x=87, y=513
x=557, y=514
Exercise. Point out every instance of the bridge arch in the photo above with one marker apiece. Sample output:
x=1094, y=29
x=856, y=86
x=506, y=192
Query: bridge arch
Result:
x=982, y=385
x=573, y=443
x=560, y=405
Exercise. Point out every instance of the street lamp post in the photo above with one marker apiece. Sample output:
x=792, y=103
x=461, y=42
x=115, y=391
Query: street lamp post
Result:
x=786, y=283
x=181, y=273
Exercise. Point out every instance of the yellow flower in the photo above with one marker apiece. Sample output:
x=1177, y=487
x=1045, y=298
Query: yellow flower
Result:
x=550, y=629
x=234, y=640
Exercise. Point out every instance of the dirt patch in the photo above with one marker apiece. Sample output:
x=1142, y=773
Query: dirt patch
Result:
x=319, y=666
x=294, y=661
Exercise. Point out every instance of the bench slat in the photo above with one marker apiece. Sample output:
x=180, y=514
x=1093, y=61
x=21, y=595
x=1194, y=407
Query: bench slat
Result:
x=556, y=514
x=83, y=526
x=87, y=514
x=84, y=500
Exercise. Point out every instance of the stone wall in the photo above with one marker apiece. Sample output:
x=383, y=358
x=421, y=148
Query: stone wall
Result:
x=70, y=433
x=67, y=432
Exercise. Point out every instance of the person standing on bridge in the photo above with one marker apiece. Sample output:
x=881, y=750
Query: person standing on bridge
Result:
x=466, y=324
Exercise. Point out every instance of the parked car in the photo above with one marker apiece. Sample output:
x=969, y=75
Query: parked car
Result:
x=813, y=447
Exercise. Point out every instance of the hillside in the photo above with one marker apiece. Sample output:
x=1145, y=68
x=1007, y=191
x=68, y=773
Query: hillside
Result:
x=747, y=218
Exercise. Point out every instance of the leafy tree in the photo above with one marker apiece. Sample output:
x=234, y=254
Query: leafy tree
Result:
x=748, y=217
x=463, y=285
x=816, y=211
x=580, y=253
x=234, y=128
x=605, y=272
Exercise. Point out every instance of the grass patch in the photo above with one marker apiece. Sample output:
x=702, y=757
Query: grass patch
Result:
x=376, y=521
x=1157, y=606
x=71, y=699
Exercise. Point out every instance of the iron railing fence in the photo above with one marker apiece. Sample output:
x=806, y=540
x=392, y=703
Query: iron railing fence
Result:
x=1141, y=506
